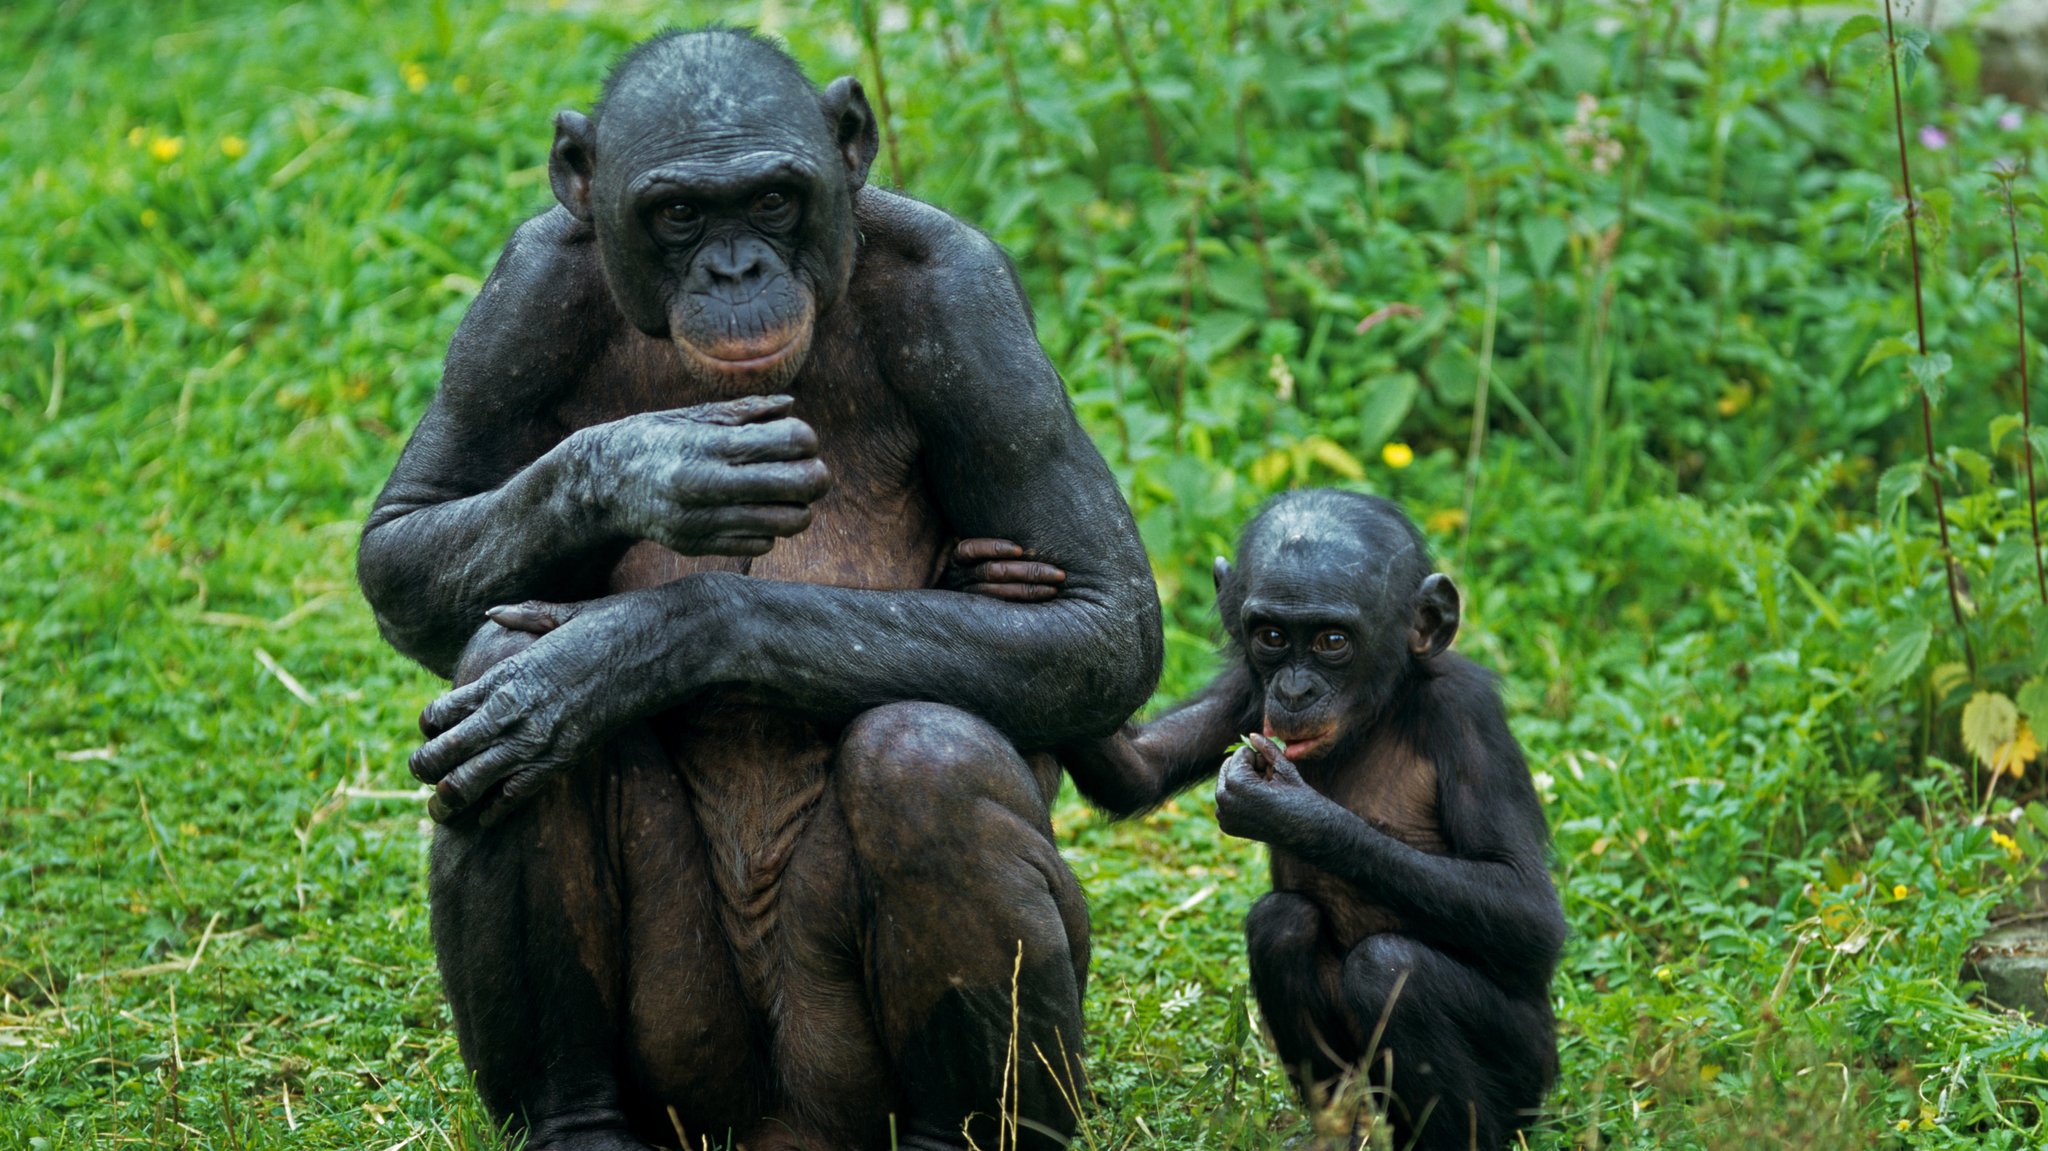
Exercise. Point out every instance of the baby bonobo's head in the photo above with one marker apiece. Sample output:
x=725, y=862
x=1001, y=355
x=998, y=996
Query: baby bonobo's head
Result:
x=1334, y=605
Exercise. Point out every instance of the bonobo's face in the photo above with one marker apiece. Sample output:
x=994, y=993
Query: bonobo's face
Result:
x=1332, y=624
x=722, y=202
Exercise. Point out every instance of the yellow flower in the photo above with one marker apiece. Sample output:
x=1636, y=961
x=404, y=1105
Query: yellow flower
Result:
x=2007, y=843
x=415, y=76
x=1900, y=891
x=2014, y=755
x=1446, y=521
x=1397, y=455
x=166, y=148
x=234, y=147
x=151, y=218
x=1663, y=974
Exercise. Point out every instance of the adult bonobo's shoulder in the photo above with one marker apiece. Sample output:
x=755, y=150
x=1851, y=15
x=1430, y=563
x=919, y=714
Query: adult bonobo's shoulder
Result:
x=540, y=314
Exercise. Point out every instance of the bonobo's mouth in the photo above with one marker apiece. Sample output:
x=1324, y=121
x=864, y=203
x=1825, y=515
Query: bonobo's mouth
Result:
x=1302, y=744
x=754, y=355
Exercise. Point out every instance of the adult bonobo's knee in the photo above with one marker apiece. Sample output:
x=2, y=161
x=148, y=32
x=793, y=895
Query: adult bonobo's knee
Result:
x=914, y=778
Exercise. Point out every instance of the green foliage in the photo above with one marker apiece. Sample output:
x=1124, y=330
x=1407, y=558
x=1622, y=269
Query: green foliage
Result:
x=235, y=240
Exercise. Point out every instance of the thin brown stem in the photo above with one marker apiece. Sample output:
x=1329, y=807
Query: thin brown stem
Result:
x=2019, y=307
x=1948, y=555
x=1027, y=128
x=1143, y=99
x=1250, y=182
x=870, y=39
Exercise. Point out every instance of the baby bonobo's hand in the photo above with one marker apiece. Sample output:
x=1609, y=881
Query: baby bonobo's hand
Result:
x=1000, y=569
x=1259, y=794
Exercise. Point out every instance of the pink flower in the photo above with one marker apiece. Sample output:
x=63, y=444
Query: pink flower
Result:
x=2010, y=121
x=1933, y=139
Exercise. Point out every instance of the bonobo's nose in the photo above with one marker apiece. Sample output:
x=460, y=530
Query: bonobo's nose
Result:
x=1294, y=687
x=735, y=263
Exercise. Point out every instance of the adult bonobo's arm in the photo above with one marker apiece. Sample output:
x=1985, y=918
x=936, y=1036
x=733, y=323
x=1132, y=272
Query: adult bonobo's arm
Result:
x=493, y=501
x=1490, y=899
x=1003, y=457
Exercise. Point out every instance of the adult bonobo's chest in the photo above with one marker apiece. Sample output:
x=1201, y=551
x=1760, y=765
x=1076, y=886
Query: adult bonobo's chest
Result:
x=1395, y=790
x=876, y=528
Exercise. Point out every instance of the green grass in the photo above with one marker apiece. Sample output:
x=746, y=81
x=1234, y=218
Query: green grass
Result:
x=234, y=241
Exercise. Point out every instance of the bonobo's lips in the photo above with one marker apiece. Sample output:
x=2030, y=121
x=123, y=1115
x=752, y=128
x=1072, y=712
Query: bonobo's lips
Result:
x=750, y=355
x=1301, y=744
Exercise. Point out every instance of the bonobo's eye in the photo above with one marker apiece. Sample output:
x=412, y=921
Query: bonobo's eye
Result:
x=1270, y=638
x=1330, y=643
x=776, y=209
x=678, y=213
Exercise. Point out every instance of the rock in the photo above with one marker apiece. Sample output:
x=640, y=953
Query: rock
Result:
x=2011, y=961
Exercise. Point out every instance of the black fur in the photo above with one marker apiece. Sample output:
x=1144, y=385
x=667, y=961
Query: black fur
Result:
x=746, y=777
x=1411, y=897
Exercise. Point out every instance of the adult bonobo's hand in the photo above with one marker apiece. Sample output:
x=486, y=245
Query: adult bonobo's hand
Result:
x=1000, y=569
x=725, y=478
x=1260, y=795
x=532, y=714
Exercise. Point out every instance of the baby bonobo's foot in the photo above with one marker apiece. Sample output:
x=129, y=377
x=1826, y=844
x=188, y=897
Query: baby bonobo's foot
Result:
x=1000, y=569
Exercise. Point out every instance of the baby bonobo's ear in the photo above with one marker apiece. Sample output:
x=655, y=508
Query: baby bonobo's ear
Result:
x=1221, y=571
x=1436, y=616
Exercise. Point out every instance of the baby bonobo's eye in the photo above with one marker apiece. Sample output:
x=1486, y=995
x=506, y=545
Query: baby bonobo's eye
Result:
x=1331, y=643
x=771, y=202
x=1270, y=638
x=679, y=213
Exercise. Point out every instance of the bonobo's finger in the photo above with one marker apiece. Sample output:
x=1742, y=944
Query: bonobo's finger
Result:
x=733, y=545
x=786, y=482
x=1016, y=571
x=1014, y=592
x=745, y=410
x=1269, y=754
x=976, y=551
x=761, y=520
x=445, y=752
x=467, y=784
x=535, y=617
x=784, y=439
x=518, y=788
x=454, y=706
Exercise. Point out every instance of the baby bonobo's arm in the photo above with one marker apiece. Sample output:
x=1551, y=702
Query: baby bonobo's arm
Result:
x=1142, y=765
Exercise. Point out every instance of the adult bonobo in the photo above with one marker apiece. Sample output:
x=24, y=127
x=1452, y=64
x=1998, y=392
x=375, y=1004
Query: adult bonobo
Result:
x=1410, y=904
x=736, y=840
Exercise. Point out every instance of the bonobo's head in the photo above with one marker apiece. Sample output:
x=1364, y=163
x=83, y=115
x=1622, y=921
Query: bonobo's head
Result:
x=720, y=184
x=1334, y=605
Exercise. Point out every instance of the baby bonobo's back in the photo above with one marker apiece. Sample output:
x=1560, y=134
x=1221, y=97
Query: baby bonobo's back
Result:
x=1410, y=893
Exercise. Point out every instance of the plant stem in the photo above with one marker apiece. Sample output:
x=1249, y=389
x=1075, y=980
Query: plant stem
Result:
x=870, y=39
x=1948, y=555
x=1250, y=181
x=2019, y=307
x=1027, y=128
x=1138, y=93
x=1478, y=442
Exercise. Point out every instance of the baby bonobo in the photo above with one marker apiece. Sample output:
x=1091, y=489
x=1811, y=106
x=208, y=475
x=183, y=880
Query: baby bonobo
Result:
x=1412, y=927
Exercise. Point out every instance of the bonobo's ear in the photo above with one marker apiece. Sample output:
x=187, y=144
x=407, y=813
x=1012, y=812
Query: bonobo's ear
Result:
x=570, y=162
x=1221, y=571
x=853, y=128
x=1436, y=616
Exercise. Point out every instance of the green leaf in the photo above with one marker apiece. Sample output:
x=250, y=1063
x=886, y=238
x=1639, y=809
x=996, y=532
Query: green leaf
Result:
x=1913, y=42
x=1853, y=29
x=1896, y=486
x=2032, y=699
x=1545, y=238
x=2039, y=438
x=1930, y=372
x=2039, y=263
x=2037, y=814
x=1386, y=405
x=1905, y=645
x=1881, y=215
x=1886, y=349
x=1989, y=723
x=1973, y=464
x=2001, y=427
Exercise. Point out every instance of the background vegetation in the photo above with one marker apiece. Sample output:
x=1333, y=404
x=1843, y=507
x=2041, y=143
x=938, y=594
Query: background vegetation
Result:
x=1616, y=297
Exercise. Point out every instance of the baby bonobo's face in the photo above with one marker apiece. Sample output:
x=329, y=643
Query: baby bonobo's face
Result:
x=1325, y=642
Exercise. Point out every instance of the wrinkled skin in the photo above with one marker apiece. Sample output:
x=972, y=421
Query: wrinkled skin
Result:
x=738, y=835
x=1410, y=897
